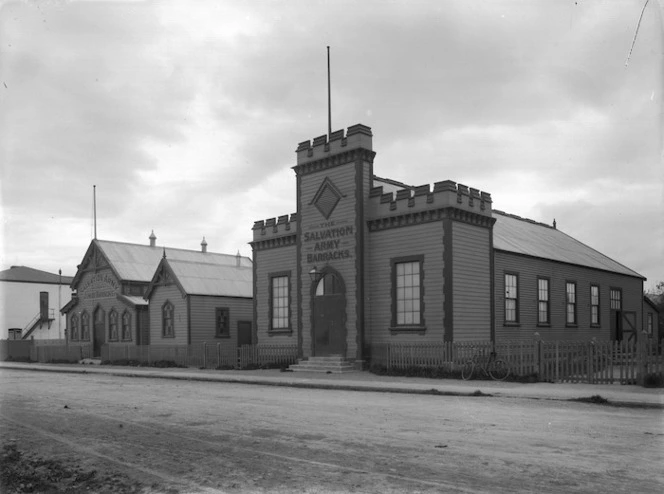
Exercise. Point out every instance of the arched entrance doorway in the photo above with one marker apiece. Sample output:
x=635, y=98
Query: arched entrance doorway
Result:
x=329, y=315
x=99, y=333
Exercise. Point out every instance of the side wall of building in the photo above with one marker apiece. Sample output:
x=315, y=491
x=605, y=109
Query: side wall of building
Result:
x=651, y=316
x=269, y=262
x=471, y=286
x=203, y=310
x=385, y=245
x=529, y=269
x=19, y=304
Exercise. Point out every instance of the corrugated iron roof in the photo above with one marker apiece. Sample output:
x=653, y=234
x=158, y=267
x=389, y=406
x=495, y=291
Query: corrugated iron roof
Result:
x=203, y=278
x=31, y=275
x=514, y=234
x=389, y=185
x=136, y=262
x=132, y=300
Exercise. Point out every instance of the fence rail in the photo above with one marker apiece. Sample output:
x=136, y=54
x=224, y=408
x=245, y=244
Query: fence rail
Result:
x=595, y=362
x=605, y=362
x=203, y=355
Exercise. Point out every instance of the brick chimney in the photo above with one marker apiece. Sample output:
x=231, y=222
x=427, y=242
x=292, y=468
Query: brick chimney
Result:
x=153, y=239
x=203, y=245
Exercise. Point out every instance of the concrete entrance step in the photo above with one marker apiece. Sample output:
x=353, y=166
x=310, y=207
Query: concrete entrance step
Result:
x=332, y=365
x=90, y=361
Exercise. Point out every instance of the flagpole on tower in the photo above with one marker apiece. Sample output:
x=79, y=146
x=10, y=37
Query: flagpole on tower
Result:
x=329, y=97
x=94, y=207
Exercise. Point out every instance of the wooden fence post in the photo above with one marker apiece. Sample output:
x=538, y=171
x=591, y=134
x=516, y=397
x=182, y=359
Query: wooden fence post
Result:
x=591, y=358
x=538, y=355
x=641, y=360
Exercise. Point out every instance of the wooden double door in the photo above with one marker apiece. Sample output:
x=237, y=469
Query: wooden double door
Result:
x=329, y=316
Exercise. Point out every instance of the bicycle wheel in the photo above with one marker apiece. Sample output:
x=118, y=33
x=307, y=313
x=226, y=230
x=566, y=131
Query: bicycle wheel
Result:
x=499, y=370
x=467, y=370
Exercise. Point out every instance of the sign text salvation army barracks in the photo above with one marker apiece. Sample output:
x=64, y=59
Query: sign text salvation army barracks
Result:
x=327, y=243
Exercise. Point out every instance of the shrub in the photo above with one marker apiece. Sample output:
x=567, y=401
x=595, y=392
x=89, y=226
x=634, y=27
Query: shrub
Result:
x=17, y=359
x=416, y=371
x=596, y=399
x=653, y=380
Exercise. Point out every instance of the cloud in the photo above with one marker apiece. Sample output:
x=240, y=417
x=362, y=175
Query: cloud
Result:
x=186, y=114
x=82, y=96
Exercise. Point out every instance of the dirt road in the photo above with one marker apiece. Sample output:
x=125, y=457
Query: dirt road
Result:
x=173, y=436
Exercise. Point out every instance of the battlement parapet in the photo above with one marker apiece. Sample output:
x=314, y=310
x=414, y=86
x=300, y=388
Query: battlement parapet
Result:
x=275, y=227
x=357, y=136
x=421, y=198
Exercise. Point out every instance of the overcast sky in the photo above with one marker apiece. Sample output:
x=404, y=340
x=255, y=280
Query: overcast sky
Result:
x=186, y=115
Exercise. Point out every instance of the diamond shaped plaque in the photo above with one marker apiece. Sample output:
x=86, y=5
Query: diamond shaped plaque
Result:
x=327, y=198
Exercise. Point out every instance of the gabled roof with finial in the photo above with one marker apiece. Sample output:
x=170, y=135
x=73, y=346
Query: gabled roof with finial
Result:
x=204, y=278
x=138, y=262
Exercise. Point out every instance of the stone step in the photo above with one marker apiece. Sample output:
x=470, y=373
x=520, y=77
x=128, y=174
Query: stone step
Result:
x=329, y=365
x=333, y=365
x=330, y=358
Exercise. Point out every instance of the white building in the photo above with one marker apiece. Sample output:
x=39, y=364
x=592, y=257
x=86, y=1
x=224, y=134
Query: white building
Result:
x=30, y=303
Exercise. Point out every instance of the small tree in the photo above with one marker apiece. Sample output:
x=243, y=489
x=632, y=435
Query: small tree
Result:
x=657, y=298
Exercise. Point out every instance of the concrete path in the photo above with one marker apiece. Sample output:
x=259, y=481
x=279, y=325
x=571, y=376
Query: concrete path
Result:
x=616, y=394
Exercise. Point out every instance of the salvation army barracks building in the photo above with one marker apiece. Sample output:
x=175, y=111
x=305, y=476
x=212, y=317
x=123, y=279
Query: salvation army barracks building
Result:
x=367, y=260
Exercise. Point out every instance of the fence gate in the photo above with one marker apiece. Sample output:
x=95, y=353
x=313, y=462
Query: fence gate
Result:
x=629, y=326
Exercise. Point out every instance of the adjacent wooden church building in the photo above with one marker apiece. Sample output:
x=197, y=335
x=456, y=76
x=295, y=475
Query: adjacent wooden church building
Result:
x=148, y=295
x=366, y=260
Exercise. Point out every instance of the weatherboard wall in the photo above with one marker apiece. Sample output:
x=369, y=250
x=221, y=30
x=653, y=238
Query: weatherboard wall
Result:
x=203, y=310
x=313, y=230
x=160, y=294
x=529, y=269
x=268, y=262
x=424, y=240
x=471, y=285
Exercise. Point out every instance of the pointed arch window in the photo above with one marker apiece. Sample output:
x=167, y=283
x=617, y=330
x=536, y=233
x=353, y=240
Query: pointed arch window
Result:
x=167, y=320
x=126, y=326
x=113, y=325
x=85, y=326
x=74, y=334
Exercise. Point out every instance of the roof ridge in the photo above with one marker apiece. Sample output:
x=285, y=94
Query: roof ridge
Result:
x=199, y=263
x=392, y=182
x=521, y=218
x=157, y=247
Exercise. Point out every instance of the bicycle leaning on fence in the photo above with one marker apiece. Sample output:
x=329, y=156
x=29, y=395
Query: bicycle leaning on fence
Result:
x=491, y=366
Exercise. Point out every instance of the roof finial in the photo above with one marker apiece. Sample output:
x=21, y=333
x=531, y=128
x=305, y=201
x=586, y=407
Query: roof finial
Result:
x=164, y=256
x=554, y=223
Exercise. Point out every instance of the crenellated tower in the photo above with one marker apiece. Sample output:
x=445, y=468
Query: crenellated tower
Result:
x=333, y=183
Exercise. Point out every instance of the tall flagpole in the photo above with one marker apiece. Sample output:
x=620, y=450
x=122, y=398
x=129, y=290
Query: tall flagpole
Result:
x=59, y=304
x=329, y=97
x=94, y=207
